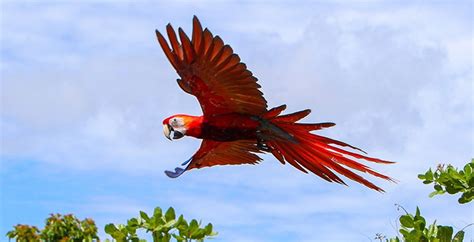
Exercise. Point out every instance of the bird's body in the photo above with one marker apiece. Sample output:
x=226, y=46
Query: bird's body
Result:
x=228, y=127
x=236, y=124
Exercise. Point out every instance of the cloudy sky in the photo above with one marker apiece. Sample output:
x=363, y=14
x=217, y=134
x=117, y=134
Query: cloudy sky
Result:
x=84, y=88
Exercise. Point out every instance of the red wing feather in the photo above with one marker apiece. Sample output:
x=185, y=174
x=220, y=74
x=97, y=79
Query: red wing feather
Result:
x=212, y=72
x=213, y=153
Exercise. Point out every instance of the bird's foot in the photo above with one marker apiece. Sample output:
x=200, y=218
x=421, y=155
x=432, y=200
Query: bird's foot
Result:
x=178, y=171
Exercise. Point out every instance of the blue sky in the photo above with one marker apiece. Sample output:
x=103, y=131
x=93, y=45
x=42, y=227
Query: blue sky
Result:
x=85, y=86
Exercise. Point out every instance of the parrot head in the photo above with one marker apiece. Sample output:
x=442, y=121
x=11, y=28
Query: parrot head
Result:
x=178, y=124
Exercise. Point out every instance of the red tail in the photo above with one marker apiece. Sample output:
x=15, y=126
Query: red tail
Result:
x=317, y=153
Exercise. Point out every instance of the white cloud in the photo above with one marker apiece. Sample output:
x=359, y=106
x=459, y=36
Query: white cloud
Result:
x=85, y=86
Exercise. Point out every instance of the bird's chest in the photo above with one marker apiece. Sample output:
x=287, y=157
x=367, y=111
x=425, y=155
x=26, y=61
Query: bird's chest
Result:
x=230, y=127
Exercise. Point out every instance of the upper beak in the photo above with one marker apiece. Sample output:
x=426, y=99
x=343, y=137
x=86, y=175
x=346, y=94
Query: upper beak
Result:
x=167, y=130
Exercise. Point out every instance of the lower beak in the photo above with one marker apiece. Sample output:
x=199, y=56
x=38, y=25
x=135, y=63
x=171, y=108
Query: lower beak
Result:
x=167, y=130
x=177, y=135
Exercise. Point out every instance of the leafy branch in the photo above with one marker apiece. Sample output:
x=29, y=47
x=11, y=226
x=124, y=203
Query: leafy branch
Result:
x=451, y=180
x=163, y=226
x=446, y=180
x=414, y=229
x=24, y=233
x=58, y=228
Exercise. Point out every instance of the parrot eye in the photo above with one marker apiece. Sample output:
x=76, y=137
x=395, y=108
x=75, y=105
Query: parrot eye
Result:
x=175, y=122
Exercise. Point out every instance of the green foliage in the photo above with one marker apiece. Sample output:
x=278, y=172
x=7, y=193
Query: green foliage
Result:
x=68, y=228
x=58, y=228
x=450, y=180
x=414, y=229
x=162, y=227
x=446, y=180
x=24, y=233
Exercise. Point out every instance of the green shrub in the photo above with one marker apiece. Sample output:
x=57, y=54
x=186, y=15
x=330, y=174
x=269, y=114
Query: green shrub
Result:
x=24, y=233
x=450, y=180
x=162, y=226
x=413, y=228
x=58, y=228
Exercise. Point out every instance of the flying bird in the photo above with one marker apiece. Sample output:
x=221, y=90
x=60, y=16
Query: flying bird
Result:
x=236, y=124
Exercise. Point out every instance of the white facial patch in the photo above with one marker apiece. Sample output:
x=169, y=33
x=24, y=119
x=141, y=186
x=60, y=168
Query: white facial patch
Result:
x=178, y=125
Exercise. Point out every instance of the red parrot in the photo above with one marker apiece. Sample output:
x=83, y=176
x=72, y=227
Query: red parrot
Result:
x=236, y=124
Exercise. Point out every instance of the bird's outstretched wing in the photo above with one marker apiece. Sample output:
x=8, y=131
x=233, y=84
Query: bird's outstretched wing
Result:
x=213, y=153
x=211, y=71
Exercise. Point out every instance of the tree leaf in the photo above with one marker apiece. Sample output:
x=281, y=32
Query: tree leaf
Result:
x=432, y=230
x=193, y=226
x=444, y=233
x=208, y=229
x=110, y=228
x=170, y=214
x=429, y=175
x=157, y=212
x=406, y=221
x=144, y=216
x=459, y=237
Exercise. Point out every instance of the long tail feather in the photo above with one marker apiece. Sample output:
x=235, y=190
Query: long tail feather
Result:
x=318, y=154
x=292, y=117
x=274, y=112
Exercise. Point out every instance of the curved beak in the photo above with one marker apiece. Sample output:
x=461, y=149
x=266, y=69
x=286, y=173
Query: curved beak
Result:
x=167, y=130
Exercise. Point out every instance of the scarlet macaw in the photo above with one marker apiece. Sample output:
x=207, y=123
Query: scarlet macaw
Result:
x=236, y=125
